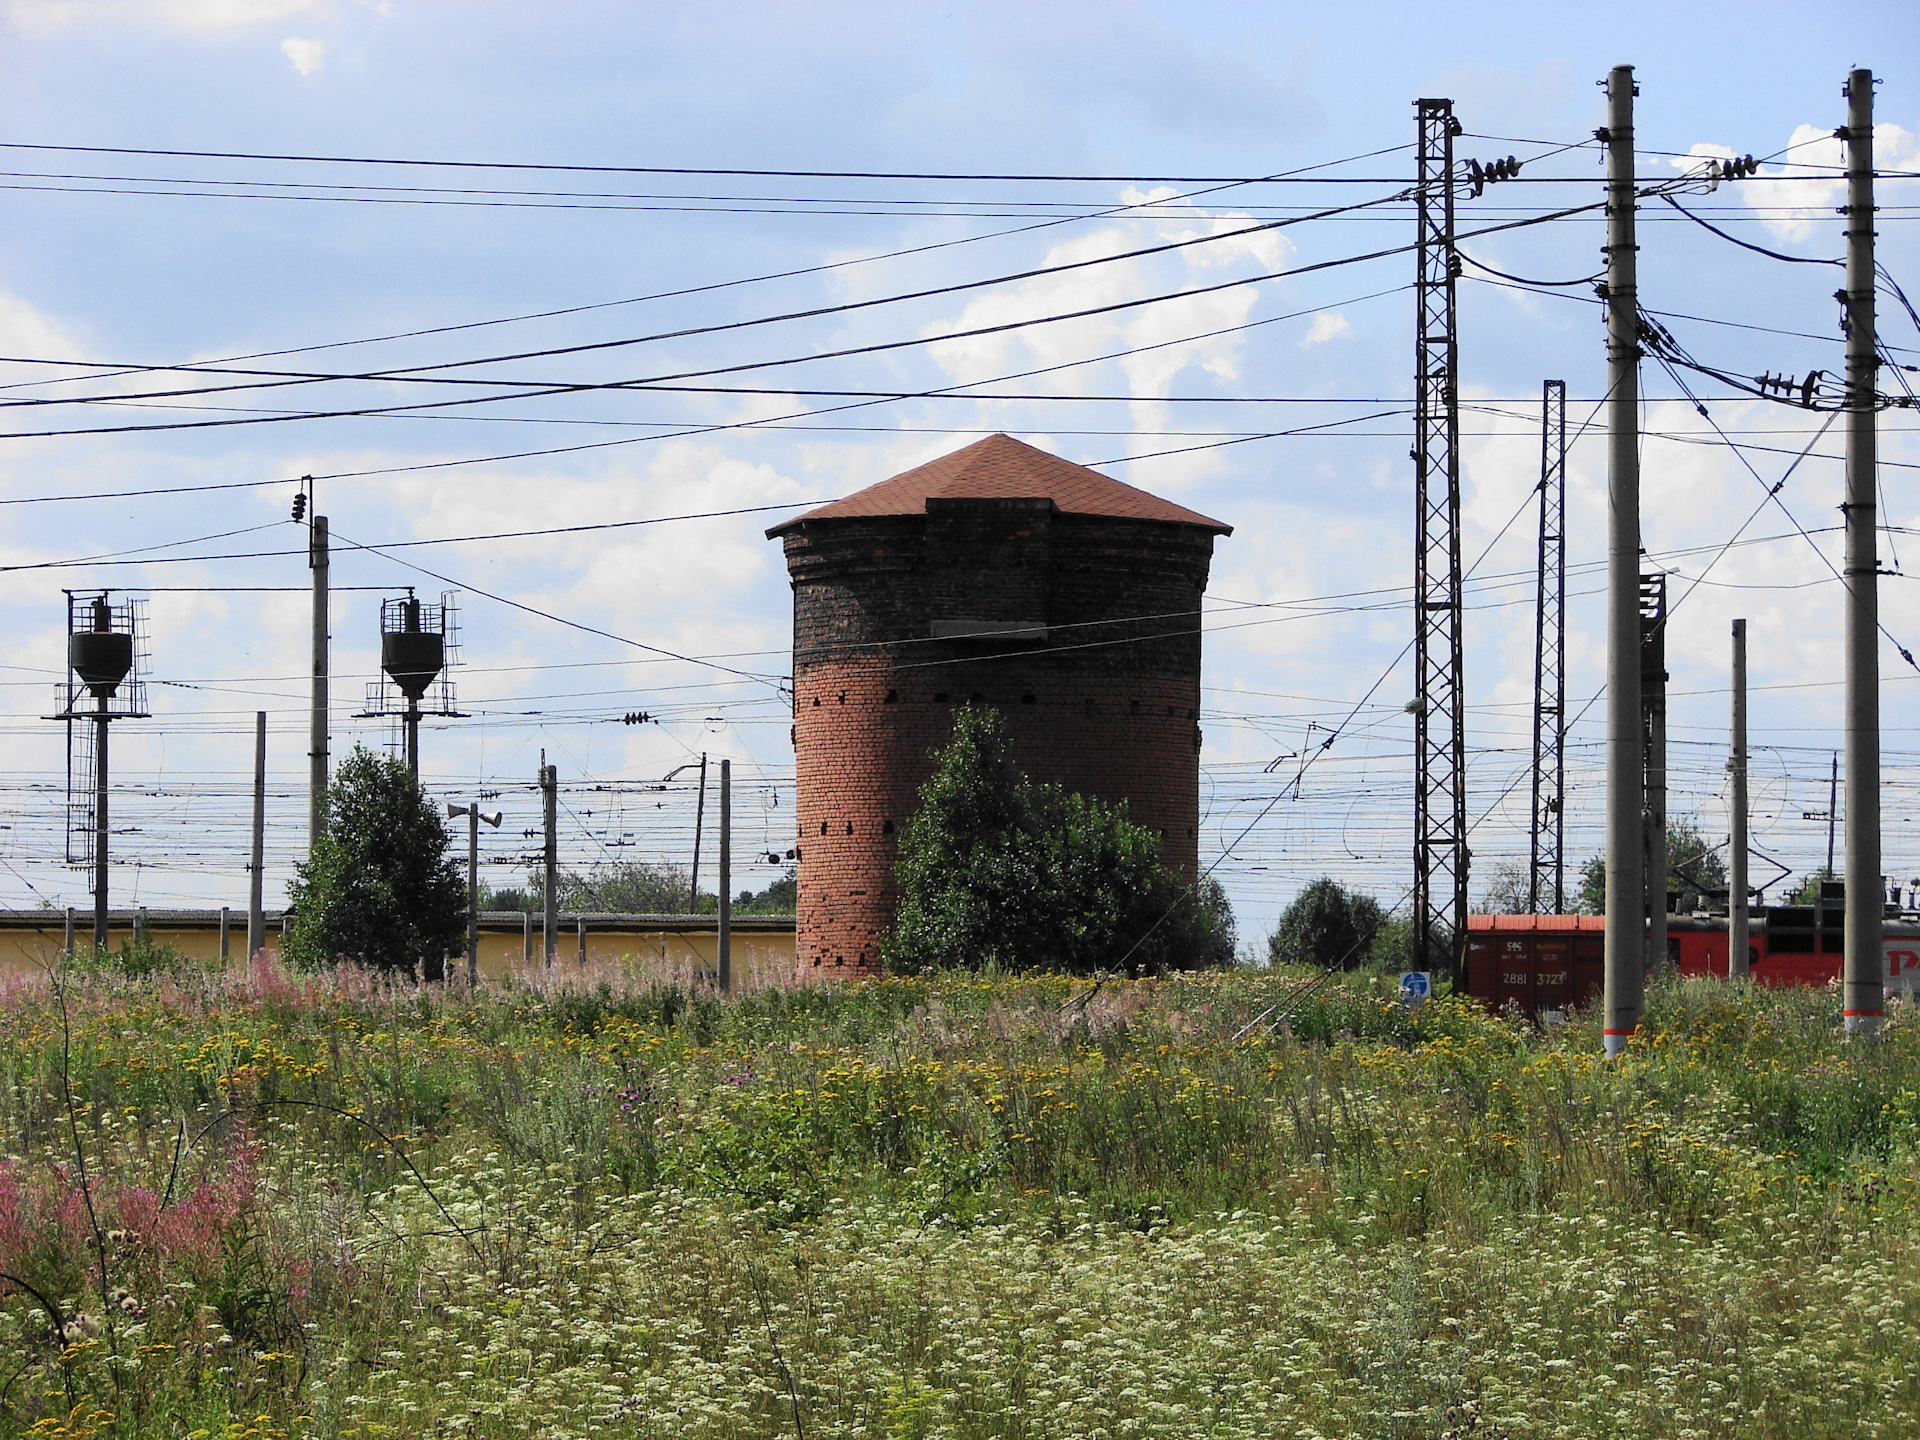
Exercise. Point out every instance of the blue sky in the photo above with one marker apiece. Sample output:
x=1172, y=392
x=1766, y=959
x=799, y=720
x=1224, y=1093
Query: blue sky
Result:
x=1138, y=93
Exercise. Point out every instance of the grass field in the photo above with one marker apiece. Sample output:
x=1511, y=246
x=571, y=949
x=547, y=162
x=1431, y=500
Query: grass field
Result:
x=602, y=1204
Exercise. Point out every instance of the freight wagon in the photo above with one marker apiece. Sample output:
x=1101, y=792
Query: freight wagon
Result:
x=1545, y=965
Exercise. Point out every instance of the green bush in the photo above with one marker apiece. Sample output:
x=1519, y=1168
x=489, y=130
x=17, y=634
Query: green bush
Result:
x=382, y=888
x=998, y=870
x=136, y=958
x=1327, y=925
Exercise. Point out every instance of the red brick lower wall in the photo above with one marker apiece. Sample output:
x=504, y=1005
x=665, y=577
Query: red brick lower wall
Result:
x=864, y=734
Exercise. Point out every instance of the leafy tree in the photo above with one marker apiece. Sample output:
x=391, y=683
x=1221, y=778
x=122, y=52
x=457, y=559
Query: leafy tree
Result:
x=996, y=869
x=1696, y=868
x=382, y=887
x=1807, y=892
x=1593, y=886
x=512, y=898
x=634, y=887
x=779, y=898
x=1509, y=891
x=637, y=887
x=1218, y=932
x=1327, y=925
x=1393, y=947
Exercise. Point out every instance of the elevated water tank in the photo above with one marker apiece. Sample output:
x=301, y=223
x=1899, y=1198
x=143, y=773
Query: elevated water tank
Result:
x=998, y=575
x=412, y=657
x=100, y=656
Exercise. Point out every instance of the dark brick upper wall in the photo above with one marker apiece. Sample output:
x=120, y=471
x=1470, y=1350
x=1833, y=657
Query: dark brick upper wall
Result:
x=1106, y=704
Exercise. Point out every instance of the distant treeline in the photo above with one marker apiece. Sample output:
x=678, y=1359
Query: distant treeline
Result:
x=637, y=887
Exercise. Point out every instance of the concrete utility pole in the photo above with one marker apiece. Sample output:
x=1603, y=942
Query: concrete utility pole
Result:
x=474, y=817
x=256, y=916
x=550, y=803
x=1865, y=960
x=1626, y=945
x=1737, y=844
x=317, y=721
x=699, y=819
x=726, y=875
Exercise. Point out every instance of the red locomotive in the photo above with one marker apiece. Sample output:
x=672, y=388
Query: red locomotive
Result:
x=1547, y=964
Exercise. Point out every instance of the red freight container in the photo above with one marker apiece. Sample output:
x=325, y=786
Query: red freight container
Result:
x=1548, y=964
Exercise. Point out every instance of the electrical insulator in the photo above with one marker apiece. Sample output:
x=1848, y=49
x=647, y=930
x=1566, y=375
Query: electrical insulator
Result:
x=1480, y=176
x=300, y=505
x=636, y=717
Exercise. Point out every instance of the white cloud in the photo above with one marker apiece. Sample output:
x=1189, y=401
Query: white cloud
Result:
x=1328, y=325
x=25, y=331
x=1195, y=328
x=305, y=54
x=194, y=16
x=1810, y=185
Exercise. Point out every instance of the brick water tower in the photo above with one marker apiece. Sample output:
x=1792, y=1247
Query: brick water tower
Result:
x=997, y=575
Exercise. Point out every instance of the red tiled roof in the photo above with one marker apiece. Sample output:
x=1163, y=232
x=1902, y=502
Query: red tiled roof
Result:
x=1546, y=923
x=1002, y=468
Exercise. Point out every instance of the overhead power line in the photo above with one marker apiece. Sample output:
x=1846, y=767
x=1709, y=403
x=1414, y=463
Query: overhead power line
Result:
x=754, y=279
x=879, y=347
x=656, y=169
x=867, y=399
x=274, y=379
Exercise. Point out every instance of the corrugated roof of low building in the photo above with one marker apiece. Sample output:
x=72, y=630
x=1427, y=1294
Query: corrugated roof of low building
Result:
x=1002, y=468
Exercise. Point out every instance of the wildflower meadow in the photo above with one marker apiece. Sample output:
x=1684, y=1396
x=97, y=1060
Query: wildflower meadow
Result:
x=612, y=1202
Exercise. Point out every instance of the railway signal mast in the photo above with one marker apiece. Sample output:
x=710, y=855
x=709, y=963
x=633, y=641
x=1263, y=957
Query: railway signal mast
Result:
x=1653, y=706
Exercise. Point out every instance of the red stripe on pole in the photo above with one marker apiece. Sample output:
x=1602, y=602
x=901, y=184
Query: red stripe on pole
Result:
x=1846, y=1013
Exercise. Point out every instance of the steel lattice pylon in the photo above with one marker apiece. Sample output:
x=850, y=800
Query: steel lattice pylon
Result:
x=1546, y=874
x=1439, y=733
